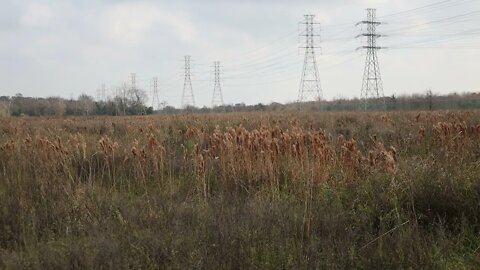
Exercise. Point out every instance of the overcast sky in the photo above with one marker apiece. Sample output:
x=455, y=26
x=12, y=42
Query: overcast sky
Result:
x=65, y=48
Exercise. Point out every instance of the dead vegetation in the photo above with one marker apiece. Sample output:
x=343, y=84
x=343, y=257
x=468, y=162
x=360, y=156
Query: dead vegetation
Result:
x=172, y=191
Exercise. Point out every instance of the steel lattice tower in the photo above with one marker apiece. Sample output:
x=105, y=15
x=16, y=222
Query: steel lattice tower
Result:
x=187, y=97
x=133, y=78
x=310, y=88
x=372, y=82
x=217, y=99
x=104, y=92
x=155, y=99
x=101, y=93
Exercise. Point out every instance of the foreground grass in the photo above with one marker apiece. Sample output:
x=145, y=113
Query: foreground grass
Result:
x=67, y=208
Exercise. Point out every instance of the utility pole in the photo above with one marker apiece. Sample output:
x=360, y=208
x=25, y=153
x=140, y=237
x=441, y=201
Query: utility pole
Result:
x=372, y=82
x=187, y=97
x=310, y=88
x=155, y=99
x=217, y=99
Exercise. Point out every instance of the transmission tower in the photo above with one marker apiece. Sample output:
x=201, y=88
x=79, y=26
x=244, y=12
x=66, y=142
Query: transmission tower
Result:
x=187, y=97
x=101, y=93
x=155, y=100
x=310, y=88
x=133, y=77
x=217, y=99
x=372, y=82
x=104, y=92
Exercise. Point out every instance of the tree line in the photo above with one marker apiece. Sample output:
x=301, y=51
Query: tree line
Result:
x=132, y=102
x=126, y=102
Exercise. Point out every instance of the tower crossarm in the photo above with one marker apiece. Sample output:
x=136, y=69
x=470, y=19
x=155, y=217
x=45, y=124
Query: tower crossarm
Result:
x=370, y=35
x=368, y=22
x=371, y=47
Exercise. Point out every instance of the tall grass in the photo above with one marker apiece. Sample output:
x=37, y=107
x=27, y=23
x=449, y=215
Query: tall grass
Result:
x=246, y=190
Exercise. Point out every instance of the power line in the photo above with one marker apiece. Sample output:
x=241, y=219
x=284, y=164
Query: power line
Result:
x=272, y=56
x=256, y=50
x=448, y=20
x=440, y=5
x=436, y=4
x=273, y=60
x=286, y=61
x=440, y=40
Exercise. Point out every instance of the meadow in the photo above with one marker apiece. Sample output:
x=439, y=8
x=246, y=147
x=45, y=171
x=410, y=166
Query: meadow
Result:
x=397, y=190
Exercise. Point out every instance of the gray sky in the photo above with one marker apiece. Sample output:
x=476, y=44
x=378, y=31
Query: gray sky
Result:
x=64, y=48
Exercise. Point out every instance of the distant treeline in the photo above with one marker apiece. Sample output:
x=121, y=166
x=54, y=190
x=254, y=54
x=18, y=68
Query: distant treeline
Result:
x=426, y=101
x=134, y=104
x=19, y=105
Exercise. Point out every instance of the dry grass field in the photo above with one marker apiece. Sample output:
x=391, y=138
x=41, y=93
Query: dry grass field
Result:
x=242, y=191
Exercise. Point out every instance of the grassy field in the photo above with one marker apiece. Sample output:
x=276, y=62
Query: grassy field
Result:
x=242, y=191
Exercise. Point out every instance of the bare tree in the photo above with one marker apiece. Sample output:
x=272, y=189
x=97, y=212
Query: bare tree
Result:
x=86, y=104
